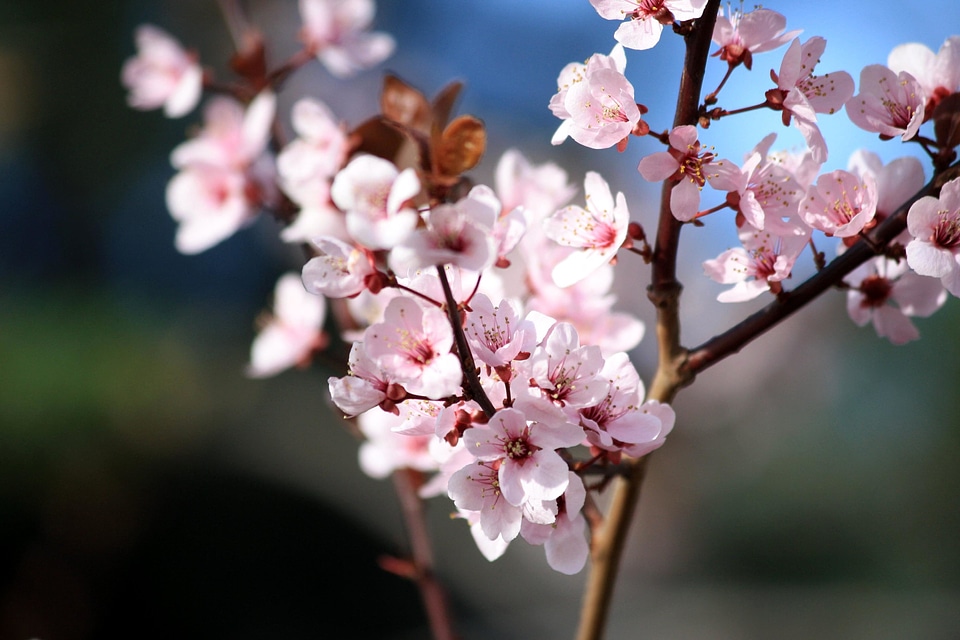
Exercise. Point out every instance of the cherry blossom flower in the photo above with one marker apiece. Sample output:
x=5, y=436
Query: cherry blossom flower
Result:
x=763, y=191
x=587, y=305
x=803, y=95
x=602, y=108
x=761, y=264
x=293, y=331
x=210, y=204
x=564, y=541
x=383, y=450
x=646, y=18
x=412, y=346
x=490, y=549
x=497, y=334
x=336, y=31
x=306, y=167
x=888, y=103
x=537, y=189
x=597, y=121
x=896, y=181
x=934, y=224
x=567, y=373
x=688, y=164
x=740, y=35
x=162, y=74
x=621, y=421
x=877, y=283
x=840, y=204
x=363, y=388
x=339, y=270
x=232, y=137
x=225, y=173
x=530, y=469
x=938, y=73
x=460, y=234
x=597, y=231
x=374, y=194
x=476, y=487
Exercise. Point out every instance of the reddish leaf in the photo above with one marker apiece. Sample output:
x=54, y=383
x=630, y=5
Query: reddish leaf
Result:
x=405, y=105
x=460, y=147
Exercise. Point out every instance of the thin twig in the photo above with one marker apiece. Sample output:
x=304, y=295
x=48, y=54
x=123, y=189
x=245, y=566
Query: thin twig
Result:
x=471, y=381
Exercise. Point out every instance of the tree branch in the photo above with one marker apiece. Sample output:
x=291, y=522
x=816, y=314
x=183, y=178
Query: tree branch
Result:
x=610, y=539
x=407, y=482
x=734, y=339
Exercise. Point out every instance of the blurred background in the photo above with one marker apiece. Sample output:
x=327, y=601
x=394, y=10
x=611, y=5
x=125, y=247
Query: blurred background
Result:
x=149, y=490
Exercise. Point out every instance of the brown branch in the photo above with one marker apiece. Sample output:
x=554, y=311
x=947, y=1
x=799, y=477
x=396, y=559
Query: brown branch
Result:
x=788, y=303
x=471, y=380
x=610, y=539
x=407, y=482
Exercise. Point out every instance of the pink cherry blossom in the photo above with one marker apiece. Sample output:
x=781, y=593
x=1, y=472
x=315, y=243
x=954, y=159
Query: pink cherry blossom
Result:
x=620, y=421
x=840, y=204
x=934, y=224
x=889, y=104
x=538, y=189
x=575, y=74
x=293, y=331
x=384, y=450
x=760, y=265
x=419, y=417
x=306, y=167
x=497, y=334
x=567, y=373
x=412, y=345
x=877, y=283
x=339, y=270
x=490, y=549
x=336, y=31
x=210, y=204
x=602, y=108
x=803, y=95
x=762, y=190
x=363, y=388
x=938, y=73
x=460, y=234
x=308, y=163
x=688, y=164
x=232, y=137
x=476, y=487
x=162, y=74
x=225, y=173
x=530, y=469
x=896, y=181
x=740, y=35
x=597, y=231
x=646, y=18
x=587, y=305
x=564, y=540
x=374, y=195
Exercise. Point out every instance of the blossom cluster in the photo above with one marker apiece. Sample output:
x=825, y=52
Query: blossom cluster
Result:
x=551, y=372
x=782, y=200
x=484, y=347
